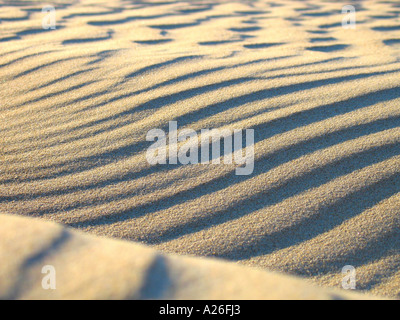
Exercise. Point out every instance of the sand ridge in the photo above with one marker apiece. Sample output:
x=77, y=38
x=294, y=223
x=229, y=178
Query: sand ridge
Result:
x=124, y=270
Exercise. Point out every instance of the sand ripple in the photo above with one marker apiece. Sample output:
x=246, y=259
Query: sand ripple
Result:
x=77, y=102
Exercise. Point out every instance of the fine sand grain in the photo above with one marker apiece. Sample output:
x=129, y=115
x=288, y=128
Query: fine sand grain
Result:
x=96, y=268
x=77, y=102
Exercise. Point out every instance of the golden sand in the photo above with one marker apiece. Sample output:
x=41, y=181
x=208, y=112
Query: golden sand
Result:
x=88, y=267
x=77, y=102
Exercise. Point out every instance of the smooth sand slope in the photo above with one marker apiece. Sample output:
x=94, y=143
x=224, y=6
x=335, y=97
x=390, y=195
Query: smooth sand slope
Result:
x=88, y=267
x=77, y=102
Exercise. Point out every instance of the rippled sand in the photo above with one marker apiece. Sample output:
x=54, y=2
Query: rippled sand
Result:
x=77, y=102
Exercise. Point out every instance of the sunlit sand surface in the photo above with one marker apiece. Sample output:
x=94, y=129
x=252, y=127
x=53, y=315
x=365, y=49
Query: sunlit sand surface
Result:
x=77, y=102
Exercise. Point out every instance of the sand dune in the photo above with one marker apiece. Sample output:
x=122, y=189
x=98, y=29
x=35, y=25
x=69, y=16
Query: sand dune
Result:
x=123, y=270
x=78, y=101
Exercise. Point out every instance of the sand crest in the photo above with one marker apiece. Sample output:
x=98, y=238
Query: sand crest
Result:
x=88, y=267
x=77, y=102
